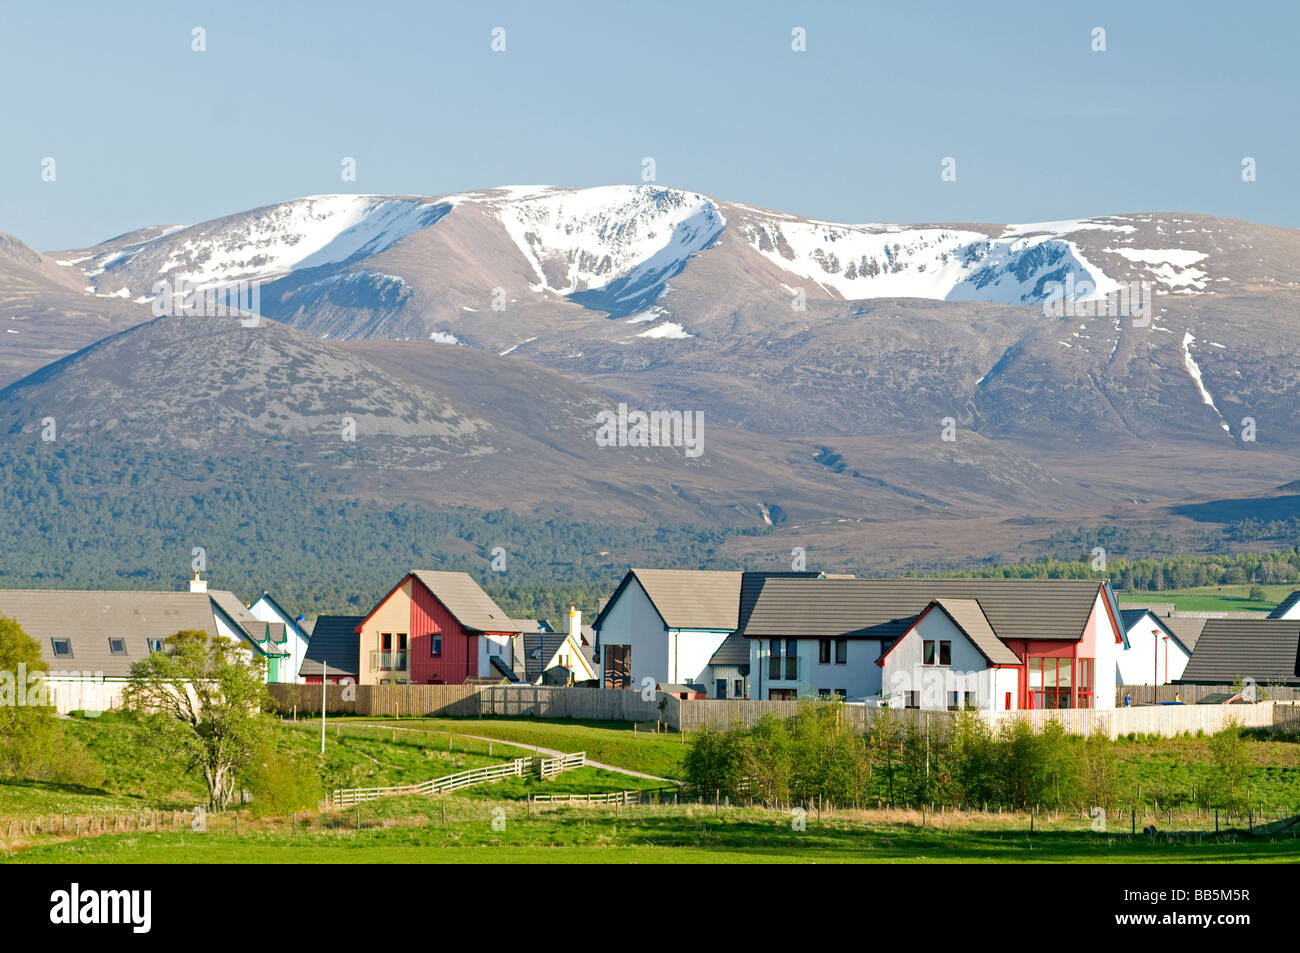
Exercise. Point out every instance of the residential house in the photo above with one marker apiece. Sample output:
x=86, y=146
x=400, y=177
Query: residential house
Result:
x=271, y=639
x=438, y=628
x=1264, y=652
x=665, y=626
x=266, y=609
x=556, y=658
x=91, y=638
x=333, y=652
x=1154, y=653
x=997, y=644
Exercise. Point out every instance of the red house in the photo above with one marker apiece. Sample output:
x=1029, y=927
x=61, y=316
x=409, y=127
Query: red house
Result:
x=438, y=628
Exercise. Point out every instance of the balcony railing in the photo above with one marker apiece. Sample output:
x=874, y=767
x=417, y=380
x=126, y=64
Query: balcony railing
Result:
x=783, y=669
x=381, y=661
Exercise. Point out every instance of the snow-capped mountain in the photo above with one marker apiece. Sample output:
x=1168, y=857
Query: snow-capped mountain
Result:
x=615, y=250
x=770, y=321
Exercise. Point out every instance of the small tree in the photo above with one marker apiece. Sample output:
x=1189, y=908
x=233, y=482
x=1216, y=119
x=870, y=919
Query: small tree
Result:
x=714, y=762
x=202, y=700
x=27, y=731
x=1229, y=778
x=281, y=782
x=885, y=747
x=1098, y=772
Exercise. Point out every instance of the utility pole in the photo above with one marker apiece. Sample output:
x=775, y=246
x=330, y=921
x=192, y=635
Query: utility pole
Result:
x=324, y=678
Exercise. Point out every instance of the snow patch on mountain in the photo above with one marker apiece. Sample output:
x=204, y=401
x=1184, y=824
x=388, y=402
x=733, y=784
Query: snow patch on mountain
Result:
x=611, y=248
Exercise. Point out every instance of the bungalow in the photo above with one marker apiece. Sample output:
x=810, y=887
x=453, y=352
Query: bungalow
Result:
x=333, y=651
x=266, y=609
x=438, y=628
x=91, y=638
x=1154, y=653
x=1264, y=651
x=666, y=626
x=996, y=644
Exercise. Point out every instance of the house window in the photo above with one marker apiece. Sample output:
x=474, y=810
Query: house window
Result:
x=1048, y=683
x=823, y=693
x=841, y=651
x=117, y=646
x=952, y=701
x=790, y=670
x=927, y=652
x=824, y=651
x=842, y=693
x=912, y=700
x=618, y=666
x=970, y=700
x=155, y=645
x=62, y=648
x=945, y=652
x=435, y=643
x=1086, y=666
x=740, y=688
x=782, y=694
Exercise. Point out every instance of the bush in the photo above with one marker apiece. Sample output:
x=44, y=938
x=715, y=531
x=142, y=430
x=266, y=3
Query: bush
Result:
x=281, y=783
x=714, y=762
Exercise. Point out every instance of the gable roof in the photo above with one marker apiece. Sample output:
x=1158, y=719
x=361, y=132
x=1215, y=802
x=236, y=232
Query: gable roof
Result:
x=334, y=643
x=686, y=598
x=89, y=618
x=1186, y=630
x=1267, y=650
x=465, y=600
x=733, y=651
x=1050, y=609
x=1285, y=606
x=968, y=615
x=1133, y=617
x=539, y=650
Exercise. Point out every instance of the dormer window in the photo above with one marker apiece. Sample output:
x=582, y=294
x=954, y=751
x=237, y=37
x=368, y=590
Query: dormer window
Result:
x=62, y=648
x=117, y=646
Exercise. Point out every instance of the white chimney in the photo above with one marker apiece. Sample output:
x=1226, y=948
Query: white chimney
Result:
x=575, y=622
x=197, y=584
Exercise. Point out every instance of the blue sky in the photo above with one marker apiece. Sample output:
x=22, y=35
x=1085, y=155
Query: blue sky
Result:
x=146, y=131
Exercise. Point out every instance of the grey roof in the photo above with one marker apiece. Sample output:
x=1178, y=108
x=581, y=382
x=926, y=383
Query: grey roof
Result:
x=1285, y=606
x=237, y=612
x=734, y=650
x=1185, y=633
x=538, y=650
x=334, y=642
x=690, y=598
x=1266, y=650
x=970, y=618
x=89, y=618
x=466, y=600
x=885, y=608
x=1186, y=630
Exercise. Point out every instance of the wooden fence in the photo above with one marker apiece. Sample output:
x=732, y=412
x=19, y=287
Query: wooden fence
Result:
x=1191, y=694
x=459, y=701
x=589, y=704
x=547, y=767
x=655, y=796
x=1164, y=721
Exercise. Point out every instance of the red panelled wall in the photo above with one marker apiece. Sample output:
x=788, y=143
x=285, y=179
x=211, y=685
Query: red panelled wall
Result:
x=459, y=658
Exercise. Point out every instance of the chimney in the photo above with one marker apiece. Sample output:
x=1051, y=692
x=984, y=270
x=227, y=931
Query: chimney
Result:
x=197, y=584
x=575, y=621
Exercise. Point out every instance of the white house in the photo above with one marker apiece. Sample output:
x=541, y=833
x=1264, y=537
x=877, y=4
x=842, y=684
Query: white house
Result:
x=997, y=644
x=950, y=659
x=266, y=609
x=662, y=626
x=91, y=638
x=1154, y=653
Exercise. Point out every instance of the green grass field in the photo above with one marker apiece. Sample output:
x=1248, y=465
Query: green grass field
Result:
x=666, y=834
x=1212, y=598
x=456, y=828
